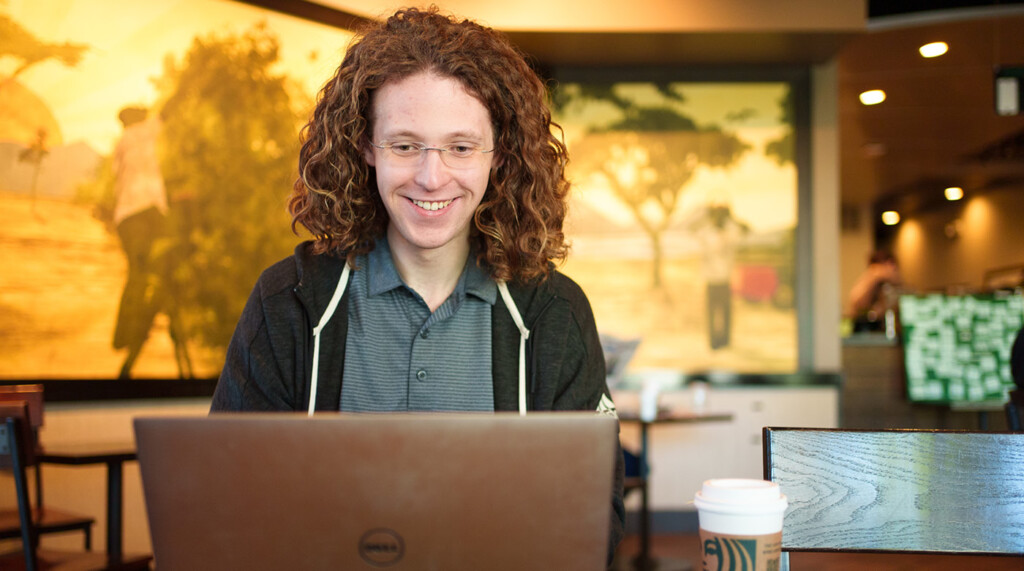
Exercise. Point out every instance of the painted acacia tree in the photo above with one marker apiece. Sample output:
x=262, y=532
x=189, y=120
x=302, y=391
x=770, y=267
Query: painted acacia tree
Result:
x=18, y=43
x=27, y=50
x=647, y=154
x=230, y=143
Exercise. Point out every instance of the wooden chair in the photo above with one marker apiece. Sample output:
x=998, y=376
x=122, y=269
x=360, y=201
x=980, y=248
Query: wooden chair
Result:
x=913, y=491
x=17, y=452
x=45, y=520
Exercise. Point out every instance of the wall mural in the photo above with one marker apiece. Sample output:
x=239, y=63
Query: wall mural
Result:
x=683, y=219
x=146, y=151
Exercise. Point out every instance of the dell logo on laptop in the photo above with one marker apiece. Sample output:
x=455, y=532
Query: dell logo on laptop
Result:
x=381, y=547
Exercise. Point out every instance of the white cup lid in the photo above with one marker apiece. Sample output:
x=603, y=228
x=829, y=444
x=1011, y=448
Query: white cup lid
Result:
x=739, y=494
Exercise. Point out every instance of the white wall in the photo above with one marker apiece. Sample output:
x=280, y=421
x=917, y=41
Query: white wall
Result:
x=684, y=455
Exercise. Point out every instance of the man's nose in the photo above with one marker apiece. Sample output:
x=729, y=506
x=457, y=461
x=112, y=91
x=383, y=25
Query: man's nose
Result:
x=432, y=172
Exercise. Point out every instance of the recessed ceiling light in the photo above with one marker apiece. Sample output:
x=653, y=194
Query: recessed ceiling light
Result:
x=954, y=193
x=872, y=97
x=934, y=49
x=890, y=218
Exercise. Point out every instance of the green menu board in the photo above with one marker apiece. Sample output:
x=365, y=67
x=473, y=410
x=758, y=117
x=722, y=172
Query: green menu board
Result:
x=957, y=347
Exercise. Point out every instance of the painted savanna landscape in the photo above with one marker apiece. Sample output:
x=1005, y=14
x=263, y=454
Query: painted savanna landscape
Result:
x=683, y=219
x=199, y=100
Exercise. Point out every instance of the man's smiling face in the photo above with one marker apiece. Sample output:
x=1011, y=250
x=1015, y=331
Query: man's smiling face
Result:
x=430, y=204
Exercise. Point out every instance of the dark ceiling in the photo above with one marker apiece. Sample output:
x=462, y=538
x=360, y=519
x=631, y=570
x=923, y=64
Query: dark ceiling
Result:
x=938, y=126
x=883, y=8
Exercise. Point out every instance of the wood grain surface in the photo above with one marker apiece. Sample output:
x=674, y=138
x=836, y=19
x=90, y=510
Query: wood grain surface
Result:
x=899, y=490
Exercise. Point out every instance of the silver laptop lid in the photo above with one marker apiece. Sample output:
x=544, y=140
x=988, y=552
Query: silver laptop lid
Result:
x=388, y=491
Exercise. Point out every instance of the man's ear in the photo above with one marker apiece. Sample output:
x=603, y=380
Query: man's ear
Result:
x=369, y=156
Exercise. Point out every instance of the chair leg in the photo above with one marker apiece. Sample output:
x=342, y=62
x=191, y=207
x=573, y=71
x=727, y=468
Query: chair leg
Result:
x=29, y=537
x=88, y=538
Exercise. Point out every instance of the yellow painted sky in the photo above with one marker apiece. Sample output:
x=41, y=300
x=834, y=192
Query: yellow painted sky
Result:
x=128, y=41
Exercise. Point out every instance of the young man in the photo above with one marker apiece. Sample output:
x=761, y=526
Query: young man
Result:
x=436, y=191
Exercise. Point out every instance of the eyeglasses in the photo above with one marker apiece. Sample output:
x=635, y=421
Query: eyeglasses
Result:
x=456, y=155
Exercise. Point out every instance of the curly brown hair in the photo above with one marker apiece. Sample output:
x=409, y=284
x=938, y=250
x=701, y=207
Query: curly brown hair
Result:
x=517, y=229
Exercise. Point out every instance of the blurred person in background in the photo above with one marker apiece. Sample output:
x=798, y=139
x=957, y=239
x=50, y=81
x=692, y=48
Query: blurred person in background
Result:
x=874, y=295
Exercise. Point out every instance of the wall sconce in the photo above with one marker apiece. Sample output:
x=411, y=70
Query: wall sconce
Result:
x=954, y=193
x=890, y=218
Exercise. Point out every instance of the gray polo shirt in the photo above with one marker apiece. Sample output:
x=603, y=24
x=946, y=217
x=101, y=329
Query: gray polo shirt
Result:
x=401, y=357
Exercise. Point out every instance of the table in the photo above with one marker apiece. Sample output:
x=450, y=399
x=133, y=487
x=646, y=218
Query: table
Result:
x=644, y=561
x=114, y=455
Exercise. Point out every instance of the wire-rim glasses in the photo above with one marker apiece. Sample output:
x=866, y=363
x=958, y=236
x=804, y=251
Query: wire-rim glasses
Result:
x=455, y=155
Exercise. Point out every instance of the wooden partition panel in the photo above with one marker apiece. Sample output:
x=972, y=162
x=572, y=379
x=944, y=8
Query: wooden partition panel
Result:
x=899, y=490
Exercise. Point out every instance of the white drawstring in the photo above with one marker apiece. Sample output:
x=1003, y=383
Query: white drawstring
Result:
x=339, y=291
x=524, y=334
x=328, y=314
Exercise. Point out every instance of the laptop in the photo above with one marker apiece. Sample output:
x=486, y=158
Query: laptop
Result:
x=444, y=491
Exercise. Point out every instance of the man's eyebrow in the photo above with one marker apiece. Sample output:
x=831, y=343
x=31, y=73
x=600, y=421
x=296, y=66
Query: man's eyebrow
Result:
x=400, y=134
x=456, y=135
x=467, y=135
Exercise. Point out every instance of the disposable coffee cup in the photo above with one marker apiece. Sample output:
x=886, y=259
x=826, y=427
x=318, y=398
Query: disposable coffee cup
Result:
x=740, y=524
x=649, y=400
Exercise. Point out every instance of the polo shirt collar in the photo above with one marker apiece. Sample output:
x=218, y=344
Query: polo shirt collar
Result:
x=383, y=275
x=478, y=282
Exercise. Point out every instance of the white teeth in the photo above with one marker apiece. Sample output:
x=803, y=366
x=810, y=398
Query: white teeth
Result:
x=431, y=205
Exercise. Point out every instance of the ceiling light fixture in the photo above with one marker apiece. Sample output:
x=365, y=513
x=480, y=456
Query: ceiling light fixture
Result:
x=890, y=218
x=954, y=193
x=872, y=97
x=934, y=49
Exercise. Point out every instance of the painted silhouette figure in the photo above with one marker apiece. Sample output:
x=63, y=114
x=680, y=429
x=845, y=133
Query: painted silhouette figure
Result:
x=719, y=234
x=140, y=215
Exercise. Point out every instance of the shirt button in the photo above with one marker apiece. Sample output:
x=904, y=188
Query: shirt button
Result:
x=421, y=375
x=425, y=333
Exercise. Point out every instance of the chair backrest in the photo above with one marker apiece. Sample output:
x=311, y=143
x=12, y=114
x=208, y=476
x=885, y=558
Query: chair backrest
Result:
x=930, y=491
x=15, y=436
x=30, y=394
x=17, y=450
